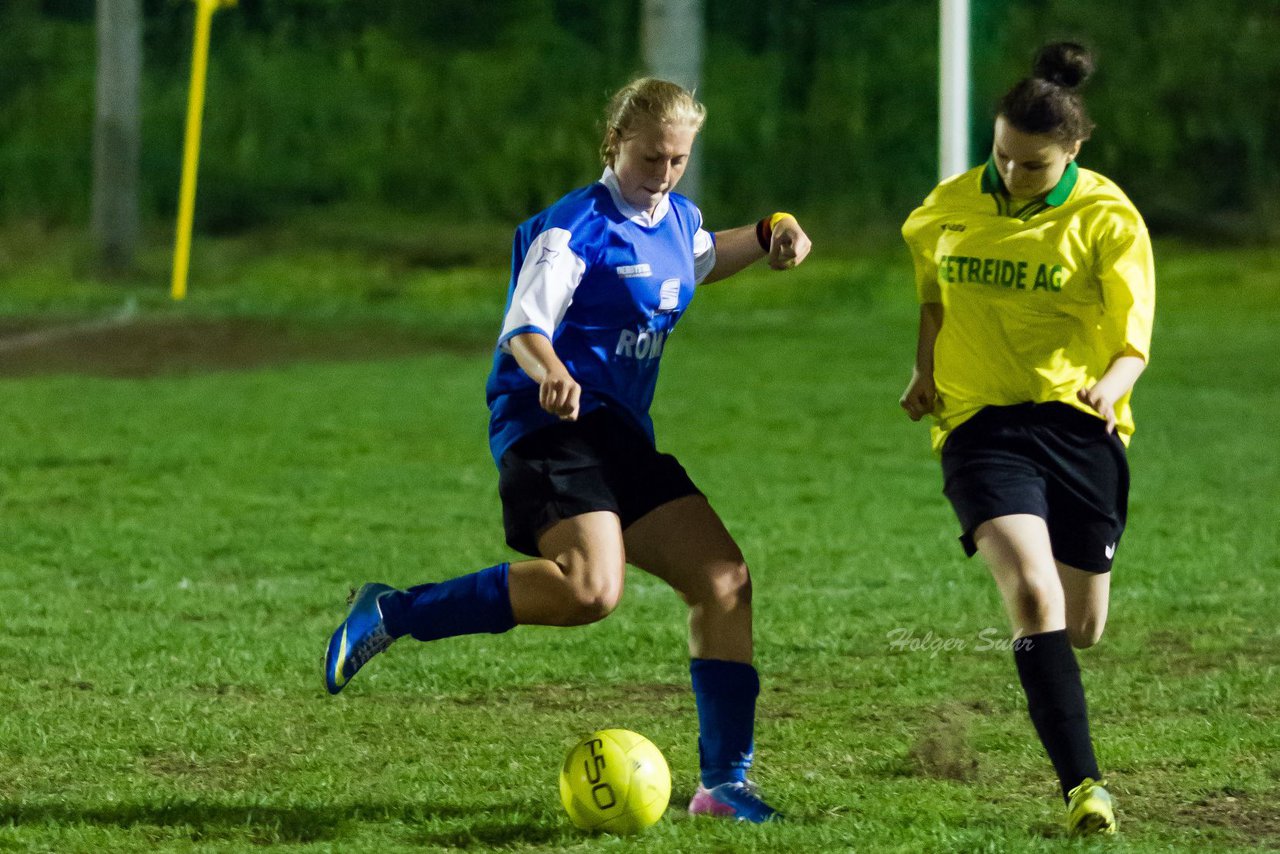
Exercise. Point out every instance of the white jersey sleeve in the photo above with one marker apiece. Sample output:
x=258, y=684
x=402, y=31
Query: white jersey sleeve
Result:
x=704, y=255
x=549, y=275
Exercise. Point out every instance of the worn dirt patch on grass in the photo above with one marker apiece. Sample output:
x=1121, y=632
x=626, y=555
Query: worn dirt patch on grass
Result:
x=943, y=749
x=147, y=347
x=1254, y=819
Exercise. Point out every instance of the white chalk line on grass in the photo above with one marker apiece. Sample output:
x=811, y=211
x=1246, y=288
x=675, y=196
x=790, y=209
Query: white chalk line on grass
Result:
x=121, y=317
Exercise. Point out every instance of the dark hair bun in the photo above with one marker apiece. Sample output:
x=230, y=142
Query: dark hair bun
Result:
x=1065, y=64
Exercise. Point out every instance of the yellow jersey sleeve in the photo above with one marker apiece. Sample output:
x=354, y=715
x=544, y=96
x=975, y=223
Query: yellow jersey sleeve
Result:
x=1127, y=275
x=920, y=233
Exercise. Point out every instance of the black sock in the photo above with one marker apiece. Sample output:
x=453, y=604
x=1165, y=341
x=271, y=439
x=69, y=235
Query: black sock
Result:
x=1055, y=699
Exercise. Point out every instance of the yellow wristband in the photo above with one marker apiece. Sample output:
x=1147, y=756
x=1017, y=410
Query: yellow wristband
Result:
x=777, y=218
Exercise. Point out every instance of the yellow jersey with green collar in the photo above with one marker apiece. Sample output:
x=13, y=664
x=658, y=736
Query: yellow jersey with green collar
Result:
x=1038, y=297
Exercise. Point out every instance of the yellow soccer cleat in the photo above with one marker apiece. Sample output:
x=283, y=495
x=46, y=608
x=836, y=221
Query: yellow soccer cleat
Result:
x=1090, y=809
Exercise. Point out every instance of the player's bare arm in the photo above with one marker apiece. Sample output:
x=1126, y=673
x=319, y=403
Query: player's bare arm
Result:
x=558, y=392
x=1115, y=384
x=921, y=395
x=789, y=245
x=738, y=248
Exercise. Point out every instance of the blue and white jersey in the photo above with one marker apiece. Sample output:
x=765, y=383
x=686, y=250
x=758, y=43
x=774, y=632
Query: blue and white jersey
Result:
x=606, y=283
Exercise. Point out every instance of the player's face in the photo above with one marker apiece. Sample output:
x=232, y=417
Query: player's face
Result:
x=650, y=162
x=1031, y=164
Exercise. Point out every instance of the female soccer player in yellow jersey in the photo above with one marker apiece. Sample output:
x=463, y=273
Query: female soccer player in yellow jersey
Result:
x=1037, y=287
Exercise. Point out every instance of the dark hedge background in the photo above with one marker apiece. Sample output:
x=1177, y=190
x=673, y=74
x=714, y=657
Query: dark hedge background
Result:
x=490, y=109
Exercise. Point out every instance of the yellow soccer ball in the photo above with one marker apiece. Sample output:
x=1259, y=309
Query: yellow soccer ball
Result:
x=616, y=781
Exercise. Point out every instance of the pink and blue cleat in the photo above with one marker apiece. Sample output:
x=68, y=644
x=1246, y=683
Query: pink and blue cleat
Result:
x=736, y=800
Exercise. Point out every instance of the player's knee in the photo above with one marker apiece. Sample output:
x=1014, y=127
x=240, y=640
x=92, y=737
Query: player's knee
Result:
x=585, y=610
x=1037, y=600
x=729, y=585
x=1085, y=633
x=591, y=603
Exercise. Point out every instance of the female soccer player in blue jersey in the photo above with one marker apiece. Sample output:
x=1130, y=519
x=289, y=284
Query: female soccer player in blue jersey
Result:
x=598, y=282
x=1037, y=291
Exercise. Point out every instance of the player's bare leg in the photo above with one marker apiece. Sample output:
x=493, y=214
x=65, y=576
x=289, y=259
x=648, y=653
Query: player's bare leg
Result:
x=684, y=543
x=579, y=582
x=1087, y=595
x=1019, y=553
x=580, y=578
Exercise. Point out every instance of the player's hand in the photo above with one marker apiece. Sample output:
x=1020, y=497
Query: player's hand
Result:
x=789, y=244
x=921, y=396
x=1100, y=402
x=559, y=394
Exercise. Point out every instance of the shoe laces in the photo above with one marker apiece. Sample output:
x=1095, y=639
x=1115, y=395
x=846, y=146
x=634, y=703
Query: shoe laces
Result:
x=1086, y=785
x=747, y=790
x=374, y=643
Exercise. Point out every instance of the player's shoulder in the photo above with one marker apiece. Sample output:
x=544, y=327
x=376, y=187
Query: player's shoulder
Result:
x=686, y=208
x=952, y=196
x=578, y=212
x=957, y=193
x=1100, y=197
x=963, y=186
x=577, y=206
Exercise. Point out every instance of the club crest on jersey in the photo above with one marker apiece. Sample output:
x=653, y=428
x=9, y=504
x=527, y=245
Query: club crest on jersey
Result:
x=634, y=271
x=670, y=295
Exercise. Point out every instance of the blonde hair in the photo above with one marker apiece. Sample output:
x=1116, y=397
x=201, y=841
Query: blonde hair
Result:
x=647, y=99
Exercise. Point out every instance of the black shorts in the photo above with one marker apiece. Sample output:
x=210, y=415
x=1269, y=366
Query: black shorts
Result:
x=599, y=462
x=1046, y=459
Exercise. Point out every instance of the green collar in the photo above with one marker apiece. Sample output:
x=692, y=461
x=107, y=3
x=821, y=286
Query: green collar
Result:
x=993, y=183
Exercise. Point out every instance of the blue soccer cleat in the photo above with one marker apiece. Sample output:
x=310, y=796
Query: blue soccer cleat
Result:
x=735, y=800
x=361, y=636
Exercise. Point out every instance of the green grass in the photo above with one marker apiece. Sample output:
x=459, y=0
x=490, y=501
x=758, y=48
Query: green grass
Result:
x=177, y=549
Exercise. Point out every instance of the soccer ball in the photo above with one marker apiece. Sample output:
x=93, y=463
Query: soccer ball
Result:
x=615, y=780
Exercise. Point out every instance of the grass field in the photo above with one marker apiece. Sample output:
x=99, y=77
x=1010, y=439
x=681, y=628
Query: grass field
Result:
x=178, y=534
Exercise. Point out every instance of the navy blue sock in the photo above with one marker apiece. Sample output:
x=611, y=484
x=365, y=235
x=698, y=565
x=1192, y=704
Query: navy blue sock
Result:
x=467, y=605
x=726, y=693
x=1055, y=700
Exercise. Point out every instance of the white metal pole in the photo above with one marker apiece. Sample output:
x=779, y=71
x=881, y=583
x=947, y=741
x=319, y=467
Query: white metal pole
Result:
x=672, y=35
x=953, y=87
x=117, y=133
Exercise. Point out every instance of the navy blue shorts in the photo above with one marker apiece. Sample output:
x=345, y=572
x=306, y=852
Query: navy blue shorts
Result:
x=1045, y=459
x=599, y=462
